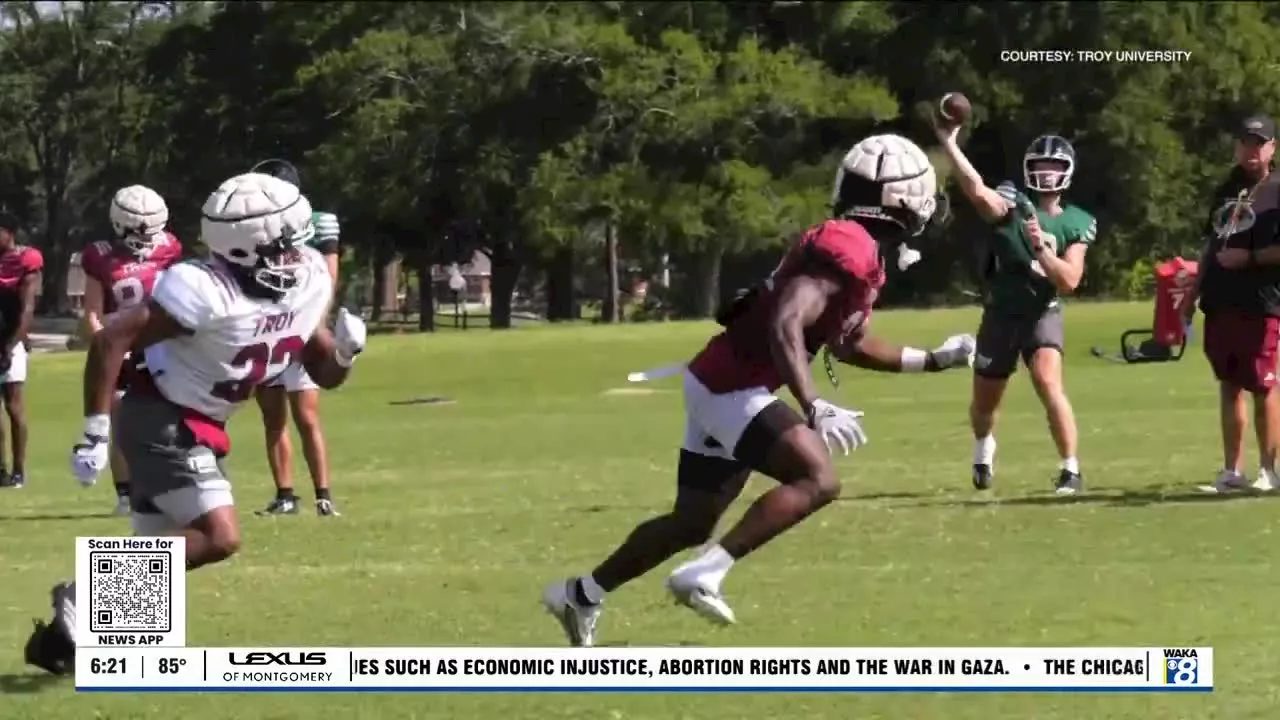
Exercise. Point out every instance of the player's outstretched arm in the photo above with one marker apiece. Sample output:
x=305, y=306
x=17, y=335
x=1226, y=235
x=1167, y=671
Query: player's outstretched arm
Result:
x=135, y=329
x=991, y=206
x=802, y=302
x=872, y=353
x=328, y=355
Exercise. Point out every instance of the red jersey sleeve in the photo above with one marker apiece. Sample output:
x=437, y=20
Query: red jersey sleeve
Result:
x=32, y=261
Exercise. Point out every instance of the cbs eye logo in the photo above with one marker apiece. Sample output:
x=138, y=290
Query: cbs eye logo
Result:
x=1181, y=671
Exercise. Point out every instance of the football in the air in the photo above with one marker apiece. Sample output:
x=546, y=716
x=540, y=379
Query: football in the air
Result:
x=954, y=109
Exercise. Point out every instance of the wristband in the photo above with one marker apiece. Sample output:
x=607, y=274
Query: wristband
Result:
x=914, y=360
x=97, y=426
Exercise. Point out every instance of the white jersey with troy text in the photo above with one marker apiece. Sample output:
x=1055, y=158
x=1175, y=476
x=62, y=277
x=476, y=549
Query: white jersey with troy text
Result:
x=237, y=342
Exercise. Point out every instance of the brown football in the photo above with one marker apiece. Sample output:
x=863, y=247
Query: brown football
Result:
x=954, y=108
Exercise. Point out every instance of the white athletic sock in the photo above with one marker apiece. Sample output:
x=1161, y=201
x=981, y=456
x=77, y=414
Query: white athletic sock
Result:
x=66, y=611
x=591, y=589
x=1071, y=464
x=984, y=450
x=711, y=566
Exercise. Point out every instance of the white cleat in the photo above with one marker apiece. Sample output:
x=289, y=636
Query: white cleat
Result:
x=1266, y=481
x=1229, y=482
x=688, y=592
x=577, y=621
x=122, y=506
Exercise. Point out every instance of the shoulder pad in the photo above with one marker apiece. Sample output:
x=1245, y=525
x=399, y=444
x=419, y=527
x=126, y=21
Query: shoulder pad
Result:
x=188, y=291
x=847, y=246
x=32, y=260
x=171, y=251
x=91, y=258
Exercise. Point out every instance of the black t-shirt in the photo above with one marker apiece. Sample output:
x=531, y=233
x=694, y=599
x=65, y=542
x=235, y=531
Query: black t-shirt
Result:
x=1250, y=290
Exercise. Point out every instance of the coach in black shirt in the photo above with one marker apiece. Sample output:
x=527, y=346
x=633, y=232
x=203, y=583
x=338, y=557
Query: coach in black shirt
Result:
x=1239, y=293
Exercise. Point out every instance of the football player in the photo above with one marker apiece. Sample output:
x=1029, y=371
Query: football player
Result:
x=820, y=295
x=211, y=332
x=21, y=269
x=294, y=392
x=1035, y=256
x=119, y=274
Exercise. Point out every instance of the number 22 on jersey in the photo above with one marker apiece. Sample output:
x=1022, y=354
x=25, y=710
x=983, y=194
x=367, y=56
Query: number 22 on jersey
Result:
x=261, y=362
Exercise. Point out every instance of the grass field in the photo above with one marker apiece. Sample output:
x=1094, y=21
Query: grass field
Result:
x=457, y=515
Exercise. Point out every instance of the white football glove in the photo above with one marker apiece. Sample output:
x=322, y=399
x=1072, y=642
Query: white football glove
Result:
x=349, y=334
x=956, y=351
x=837, y=424
x=89, y=455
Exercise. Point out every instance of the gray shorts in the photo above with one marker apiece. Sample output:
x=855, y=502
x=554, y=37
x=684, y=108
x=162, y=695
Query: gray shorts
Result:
x=1003, y=339
x=173, y=480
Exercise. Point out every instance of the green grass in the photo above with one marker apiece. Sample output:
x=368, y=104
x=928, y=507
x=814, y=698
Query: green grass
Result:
x=457, y=515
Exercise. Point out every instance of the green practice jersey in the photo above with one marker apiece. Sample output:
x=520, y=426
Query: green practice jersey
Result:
x=1016, y=284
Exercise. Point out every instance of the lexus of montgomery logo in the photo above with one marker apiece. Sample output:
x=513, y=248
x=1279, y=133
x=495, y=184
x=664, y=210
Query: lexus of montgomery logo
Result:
x=294, y=659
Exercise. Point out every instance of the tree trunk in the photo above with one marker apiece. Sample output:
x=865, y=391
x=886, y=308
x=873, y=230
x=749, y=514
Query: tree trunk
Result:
x=504, y=267
x=706, y=291
x=609, y=311
x=53, y=281
x=561, y=299
x=382, y=257
x=426, y=295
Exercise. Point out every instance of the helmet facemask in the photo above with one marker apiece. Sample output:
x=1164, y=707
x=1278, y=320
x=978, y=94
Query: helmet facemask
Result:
x=256, y=224
x=139, y=242
x=279, y=268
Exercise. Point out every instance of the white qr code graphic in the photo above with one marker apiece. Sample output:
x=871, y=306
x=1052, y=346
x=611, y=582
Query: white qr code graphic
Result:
x=130, y=592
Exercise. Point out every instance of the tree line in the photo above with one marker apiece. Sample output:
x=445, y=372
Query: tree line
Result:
x=582, y=145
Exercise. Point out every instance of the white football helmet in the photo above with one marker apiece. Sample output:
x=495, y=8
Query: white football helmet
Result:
x=255, y=223
x=138, y=216
x=888, y=178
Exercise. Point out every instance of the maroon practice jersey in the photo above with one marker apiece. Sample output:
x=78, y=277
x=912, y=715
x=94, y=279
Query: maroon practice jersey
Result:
x=740, y=357
x=16, y=264
x=126, y=280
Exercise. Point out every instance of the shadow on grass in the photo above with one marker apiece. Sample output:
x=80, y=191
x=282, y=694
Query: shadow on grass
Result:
x=29, y=683
x=1134, y=497
x=58, y=516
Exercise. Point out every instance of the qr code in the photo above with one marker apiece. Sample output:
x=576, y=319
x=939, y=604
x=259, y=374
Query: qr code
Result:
x=130, y=592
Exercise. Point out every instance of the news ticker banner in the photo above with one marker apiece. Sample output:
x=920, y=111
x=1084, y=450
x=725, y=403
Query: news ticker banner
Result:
x=656, y=670
x=131, y=637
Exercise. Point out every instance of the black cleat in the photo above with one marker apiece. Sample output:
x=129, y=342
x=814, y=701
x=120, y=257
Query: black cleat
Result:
x=982, y=476
x=279, y=506
x=1068, y=483
x=15, y=481
x=49, y=649
x=326, y=508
